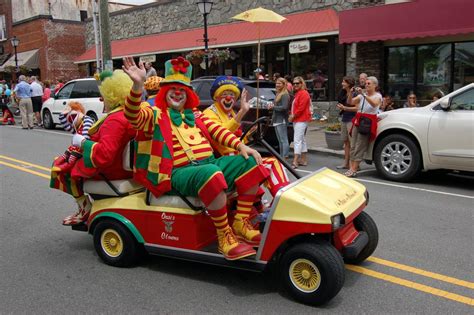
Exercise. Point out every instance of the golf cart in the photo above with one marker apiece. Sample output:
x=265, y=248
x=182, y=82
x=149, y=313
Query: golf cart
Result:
x=315, y=224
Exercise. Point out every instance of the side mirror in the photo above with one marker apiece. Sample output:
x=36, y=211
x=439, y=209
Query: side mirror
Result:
x=444, y=103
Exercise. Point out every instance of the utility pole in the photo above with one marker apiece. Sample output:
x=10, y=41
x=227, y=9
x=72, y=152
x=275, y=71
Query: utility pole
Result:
x=97, y=39
x=105, y=35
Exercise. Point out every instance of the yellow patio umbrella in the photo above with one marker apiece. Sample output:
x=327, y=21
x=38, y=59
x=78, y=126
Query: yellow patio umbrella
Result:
x=258, y=16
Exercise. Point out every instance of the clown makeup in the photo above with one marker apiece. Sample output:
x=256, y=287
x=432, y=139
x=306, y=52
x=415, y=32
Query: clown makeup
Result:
x=227, y=99
x=176, y=98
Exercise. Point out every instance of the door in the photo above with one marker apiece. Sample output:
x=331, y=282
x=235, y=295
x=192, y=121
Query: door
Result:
x=451, y=133
x=60, y=100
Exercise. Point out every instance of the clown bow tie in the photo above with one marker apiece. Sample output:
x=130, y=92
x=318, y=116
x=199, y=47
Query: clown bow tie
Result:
x=177, y=117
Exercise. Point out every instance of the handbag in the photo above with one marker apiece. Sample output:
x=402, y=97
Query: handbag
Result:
x=365, y=123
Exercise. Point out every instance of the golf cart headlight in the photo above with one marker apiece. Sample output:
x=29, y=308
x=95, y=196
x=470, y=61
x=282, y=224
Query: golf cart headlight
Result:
x=366, y=194
x=337, y=221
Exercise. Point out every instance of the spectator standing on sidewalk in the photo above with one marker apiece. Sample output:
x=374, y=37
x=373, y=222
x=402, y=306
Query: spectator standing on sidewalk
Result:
x=36, y=99
x=150, y=71
x=300, y=116
x=346, y=118
x=289, y=86
x=280, y=116
x=362, y=80
x=23, y=95
x=411, y=101
x=46, y=91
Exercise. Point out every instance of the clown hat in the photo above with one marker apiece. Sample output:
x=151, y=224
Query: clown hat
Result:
x=223, y=83
x=178, y=70
x=153, y=83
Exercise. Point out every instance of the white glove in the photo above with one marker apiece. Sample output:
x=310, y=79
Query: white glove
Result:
x=77, y=140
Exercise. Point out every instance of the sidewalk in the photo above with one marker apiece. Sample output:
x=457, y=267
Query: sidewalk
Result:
x=316, y=140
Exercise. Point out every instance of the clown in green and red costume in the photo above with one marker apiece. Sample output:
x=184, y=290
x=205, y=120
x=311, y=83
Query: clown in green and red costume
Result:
x=174, y=153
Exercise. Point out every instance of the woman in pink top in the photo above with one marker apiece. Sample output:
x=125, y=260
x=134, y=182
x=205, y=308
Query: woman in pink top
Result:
x=46, y=91
x=300, y=116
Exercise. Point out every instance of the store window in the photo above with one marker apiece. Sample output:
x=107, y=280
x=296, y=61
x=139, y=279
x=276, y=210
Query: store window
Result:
x=463, y=64
x=401, y=68
x=313, y=67
x=434, y=69
x=3, y=28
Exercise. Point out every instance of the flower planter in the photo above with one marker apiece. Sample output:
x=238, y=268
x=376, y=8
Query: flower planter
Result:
x=334, y=140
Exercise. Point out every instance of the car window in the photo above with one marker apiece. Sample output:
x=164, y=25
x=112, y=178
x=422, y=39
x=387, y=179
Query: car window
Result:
x=204, y=91
x=65, y=92
x=85, y=89
x=463, y=101
x=265, y=92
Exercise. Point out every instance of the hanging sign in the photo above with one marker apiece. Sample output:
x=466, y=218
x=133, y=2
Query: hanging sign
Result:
x=298, y=47
x=149, y=58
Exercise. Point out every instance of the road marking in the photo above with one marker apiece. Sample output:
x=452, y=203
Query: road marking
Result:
x=45, y=131
x=412, y=285
x=402, y=186
x=25, y=163
x=421, y=272
x=25, y=170
x=365, y=271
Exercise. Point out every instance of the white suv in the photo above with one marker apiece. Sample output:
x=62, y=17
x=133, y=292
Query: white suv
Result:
x=84, y=91
x=437, y=136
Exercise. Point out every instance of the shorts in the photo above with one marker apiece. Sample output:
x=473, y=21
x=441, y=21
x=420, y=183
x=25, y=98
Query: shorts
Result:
x=345, y=129
x=37, y=103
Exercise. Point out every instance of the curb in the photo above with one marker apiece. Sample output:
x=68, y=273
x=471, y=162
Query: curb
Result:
x=326, y=151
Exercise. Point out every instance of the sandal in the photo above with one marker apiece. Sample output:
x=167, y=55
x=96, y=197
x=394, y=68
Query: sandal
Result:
x=350, y=173
x=293, y=165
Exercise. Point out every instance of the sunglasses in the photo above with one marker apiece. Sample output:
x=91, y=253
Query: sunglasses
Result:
x=296, y=82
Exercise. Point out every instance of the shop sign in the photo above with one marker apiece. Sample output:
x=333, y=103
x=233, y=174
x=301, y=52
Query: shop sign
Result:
x=298, y=47
x=149, y=58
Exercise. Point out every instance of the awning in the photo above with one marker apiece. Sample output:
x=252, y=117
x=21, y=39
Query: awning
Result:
x=420, y=18
x=28, y=58
x=298, y=25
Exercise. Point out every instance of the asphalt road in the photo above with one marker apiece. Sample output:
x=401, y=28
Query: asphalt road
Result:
x=423, y=263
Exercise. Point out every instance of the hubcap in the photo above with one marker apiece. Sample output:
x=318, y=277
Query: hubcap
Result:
x=396, y=158
x=304, y=275
x=111, y=242
x=46, y=119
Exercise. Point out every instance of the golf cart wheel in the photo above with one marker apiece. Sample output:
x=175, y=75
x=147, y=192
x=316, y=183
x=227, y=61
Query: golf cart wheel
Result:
x=313, y=273
x=365, y=223
x=47, y=119
x=115, y=245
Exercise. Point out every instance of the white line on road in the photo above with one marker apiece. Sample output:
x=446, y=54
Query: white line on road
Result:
x=403, y=186
x=46, y=131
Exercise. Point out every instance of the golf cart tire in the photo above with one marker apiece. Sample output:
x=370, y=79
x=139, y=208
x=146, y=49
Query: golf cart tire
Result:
x=365, y=223
x=127, y=252
x=312, y=273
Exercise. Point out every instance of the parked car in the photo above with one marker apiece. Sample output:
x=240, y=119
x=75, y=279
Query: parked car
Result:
x=437, y=136
x=202, y=86
x=84, y=91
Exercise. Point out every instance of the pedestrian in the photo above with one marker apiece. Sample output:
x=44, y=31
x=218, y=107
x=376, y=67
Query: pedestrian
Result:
x=437, y=95
x=364, y=124
x=362, y=80
x=276, y=75
x=7, y=115
x=387, y=104
x=289, y=86
x=411, y=101
x=23, y=96
x=150, y=71
x=300, y=116
x=46, y=91
x=280, y=116
x=59, y=84
x=36, y=99
x=346, y=119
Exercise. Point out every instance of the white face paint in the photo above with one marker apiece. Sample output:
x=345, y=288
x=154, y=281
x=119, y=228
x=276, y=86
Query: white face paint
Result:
x=176, y=98
x=227, y=100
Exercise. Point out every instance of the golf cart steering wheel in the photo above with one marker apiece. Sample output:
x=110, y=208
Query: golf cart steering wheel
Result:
x=264, y=122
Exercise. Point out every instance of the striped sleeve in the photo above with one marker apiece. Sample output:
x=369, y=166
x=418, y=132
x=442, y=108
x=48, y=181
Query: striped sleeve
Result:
x=220, y=134
x=86, y=125
x=140, y=115
x=64, y=123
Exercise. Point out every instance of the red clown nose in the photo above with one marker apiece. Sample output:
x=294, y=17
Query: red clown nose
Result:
x=228, y=98
x=177, y=93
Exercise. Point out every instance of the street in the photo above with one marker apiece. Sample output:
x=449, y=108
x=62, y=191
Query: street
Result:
x=423, y=263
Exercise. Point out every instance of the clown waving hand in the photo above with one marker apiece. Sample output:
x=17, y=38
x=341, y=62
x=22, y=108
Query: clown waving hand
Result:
x=174, y=153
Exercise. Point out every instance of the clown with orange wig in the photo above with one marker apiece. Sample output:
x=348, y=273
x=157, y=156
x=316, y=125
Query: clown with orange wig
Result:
x=101, y=148
x=175, y=153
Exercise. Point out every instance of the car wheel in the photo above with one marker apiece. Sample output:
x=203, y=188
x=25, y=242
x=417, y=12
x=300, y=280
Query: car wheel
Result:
x=365, y=223
x=397, y=158
x=47, y=119
x=313, y=273
x=93, y=116
x=115, y=245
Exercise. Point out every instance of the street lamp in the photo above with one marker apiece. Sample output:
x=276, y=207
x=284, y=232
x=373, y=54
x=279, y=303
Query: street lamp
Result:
x=15, y=41
x=205, y=7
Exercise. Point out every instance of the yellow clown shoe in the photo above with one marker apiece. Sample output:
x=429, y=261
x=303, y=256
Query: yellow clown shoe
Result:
x=230, y=247
x=246, y=232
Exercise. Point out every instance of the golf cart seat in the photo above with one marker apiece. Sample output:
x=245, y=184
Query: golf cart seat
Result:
x=175, y=201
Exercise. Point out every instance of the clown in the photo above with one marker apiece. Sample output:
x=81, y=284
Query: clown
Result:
x=102, y=153
x=174, y=152
x=152, y=86
x=225, y=92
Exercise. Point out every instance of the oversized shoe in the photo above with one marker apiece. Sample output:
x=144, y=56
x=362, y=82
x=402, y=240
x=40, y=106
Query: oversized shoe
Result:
x=230, y=247
x=82, y=213
x=246, y=232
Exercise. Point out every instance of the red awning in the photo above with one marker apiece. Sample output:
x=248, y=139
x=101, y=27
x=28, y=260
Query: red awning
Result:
x=420, y=18
x=298, y=25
